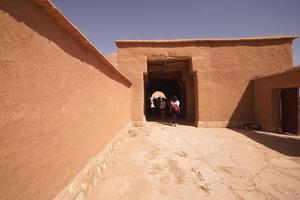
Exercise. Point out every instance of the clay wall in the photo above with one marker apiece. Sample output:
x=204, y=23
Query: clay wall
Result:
x=222, y=71
x=60, y=102
x=267, y=97
x=226, y=86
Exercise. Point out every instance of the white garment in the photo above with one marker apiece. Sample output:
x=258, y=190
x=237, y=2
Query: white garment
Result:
x=172, y=103
x=176, y=103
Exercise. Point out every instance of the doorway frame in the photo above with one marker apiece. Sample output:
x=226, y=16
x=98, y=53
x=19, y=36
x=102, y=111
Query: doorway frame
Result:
x=190, y=116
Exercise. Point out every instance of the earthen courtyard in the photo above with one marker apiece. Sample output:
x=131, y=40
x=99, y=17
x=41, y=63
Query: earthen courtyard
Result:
x=159, y=161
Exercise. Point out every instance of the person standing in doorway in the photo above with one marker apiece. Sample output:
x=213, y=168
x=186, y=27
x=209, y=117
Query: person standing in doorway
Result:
x=174, y=109
x=162, y=107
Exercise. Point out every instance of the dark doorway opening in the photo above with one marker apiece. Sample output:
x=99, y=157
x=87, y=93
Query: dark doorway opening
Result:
x=169, y=78
x=290, y=110
x=169, y=87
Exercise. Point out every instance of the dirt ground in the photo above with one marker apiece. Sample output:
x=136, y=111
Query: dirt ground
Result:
x=159, y=161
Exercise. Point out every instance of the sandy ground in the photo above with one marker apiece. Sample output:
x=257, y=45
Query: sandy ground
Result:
x=184, y=162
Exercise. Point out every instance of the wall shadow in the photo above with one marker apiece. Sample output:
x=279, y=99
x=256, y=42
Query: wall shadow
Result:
x=43, y=23
x=288, y=146
x=244, y=111
x=168, y=121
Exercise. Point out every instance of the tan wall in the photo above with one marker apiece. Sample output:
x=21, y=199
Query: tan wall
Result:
x=226, y=86
x=223, y=71
x=60, y=104
x=267, y=97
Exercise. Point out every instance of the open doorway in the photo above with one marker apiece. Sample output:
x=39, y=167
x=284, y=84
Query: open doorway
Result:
x=164, y=79
x=290, y=110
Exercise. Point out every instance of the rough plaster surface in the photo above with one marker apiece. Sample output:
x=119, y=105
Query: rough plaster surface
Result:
x=60, y=104
x=184, y=162
x=223, y=71
x=267, y=97
x=89, y=175
x=112, y=58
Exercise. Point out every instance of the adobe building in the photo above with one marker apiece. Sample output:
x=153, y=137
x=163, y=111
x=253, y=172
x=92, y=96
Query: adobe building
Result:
x=211, y=77
x=277, y=101
x=65, y=107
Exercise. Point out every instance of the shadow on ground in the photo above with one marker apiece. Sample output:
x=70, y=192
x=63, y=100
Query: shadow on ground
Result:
x=286, y=145
x=169, y=121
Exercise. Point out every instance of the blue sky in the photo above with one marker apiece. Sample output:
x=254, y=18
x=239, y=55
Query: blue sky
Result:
x=104, y=21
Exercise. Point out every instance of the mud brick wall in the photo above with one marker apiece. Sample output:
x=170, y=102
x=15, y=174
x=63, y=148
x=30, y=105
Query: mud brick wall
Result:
x=60, y=102
x=267, y=97
x=222, y=70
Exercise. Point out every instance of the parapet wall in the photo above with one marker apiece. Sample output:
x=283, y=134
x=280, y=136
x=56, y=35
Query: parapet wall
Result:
x=61, y=102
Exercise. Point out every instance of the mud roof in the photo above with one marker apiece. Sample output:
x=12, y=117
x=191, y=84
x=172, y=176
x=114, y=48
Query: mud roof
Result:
x=205, y=40
x=64, y=23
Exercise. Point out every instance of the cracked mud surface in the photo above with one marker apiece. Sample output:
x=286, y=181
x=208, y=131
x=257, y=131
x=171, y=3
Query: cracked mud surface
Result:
x=184, y=162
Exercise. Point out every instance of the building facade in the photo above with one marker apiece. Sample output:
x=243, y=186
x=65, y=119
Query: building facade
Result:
x=213, y=75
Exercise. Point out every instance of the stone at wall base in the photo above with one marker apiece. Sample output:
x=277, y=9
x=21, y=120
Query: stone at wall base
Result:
x=88, y=177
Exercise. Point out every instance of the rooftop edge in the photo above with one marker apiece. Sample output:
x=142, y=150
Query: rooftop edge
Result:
x=66, y=24
x=294, y=68
x=199, y=40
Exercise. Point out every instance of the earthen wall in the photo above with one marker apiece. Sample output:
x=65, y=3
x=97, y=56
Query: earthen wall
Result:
x=267, y=97
x=60, y=103
x=223, y=71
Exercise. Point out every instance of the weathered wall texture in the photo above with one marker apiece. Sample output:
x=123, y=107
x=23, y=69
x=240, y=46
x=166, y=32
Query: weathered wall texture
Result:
x=226, y=86
x=60, y=104
x=222, y=70
x=112, y=58
x=267, y=97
